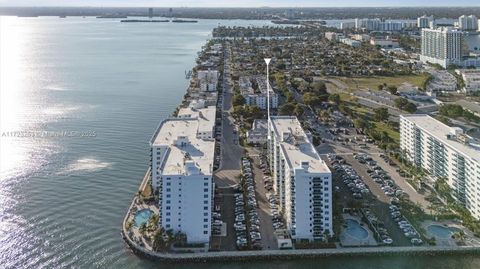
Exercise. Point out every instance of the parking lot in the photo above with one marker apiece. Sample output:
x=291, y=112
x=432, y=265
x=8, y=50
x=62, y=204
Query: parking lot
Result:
x=360, y=179
x=269, y=240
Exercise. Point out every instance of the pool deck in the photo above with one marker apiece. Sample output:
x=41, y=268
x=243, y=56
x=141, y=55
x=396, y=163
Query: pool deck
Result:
x=347, y=240
x=470, y=239
x=133, y=234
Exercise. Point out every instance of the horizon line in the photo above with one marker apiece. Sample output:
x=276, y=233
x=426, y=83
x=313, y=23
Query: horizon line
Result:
x=233, y=7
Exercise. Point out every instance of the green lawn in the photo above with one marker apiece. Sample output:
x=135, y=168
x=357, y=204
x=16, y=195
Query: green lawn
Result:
x=374, y=81
x=381, y=126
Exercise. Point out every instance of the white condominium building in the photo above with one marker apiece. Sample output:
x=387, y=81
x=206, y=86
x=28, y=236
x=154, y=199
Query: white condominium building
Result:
x=302, y=180
x=254, y=90
x=424, y=21
x=208, y=80
x=468, y=23
x=445, y=152
x=182, y=151
x=443, y=46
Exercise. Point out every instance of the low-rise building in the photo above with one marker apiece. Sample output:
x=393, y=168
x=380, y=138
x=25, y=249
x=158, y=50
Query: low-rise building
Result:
x=258, y=133
x=302, y=180
x=445, y=153
x=254, y=90
x=471, y=79
x=384, y=42
x=208, y=80
x=442, y=81
x=332, y=36
x=351, y=42
x=361, y=37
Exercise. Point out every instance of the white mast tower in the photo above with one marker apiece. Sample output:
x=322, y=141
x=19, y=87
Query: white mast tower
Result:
x=267, y=61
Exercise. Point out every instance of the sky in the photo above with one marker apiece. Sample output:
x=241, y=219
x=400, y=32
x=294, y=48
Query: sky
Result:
x=240, y=3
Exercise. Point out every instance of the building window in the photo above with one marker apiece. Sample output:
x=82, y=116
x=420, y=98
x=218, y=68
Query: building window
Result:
x=205, y=190
x=168, y=189
x=168, y=195
x=205, y=196
x=205, y=214
x=167, y=226
x=205, y=226
x=168, y=208
x=205, y=208
x=205, y=220
x=205, y=232
x=167, y=219
x=169, y=183
x=205, y=202
x=168, y=201
x=205, y=184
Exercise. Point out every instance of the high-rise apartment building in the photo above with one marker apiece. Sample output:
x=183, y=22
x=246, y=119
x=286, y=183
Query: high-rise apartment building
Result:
x=444, y=152
x=443, y=46
x=182, y=152
x=302, y=180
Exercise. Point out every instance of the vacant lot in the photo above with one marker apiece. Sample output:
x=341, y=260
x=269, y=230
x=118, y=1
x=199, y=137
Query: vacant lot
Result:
x=373, y=82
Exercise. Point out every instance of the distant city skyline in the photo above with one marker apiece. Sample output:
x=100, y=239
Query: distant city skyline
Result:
x=244, y=3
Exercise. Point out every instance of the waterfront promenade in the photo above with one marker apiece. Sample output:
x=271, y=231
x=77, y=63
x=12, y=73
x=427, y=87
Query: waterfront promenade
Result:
x=286, y=254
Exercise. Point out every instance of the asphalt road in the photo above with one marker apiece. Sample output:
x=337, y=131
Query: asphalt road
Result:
x=231, y=151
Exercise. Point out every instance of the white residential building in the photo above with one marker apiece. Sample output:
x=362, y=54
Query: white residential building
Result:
x=424, y=21
x=351, y=42
x=471, y=79
x=468, y=23
x=384, y=42
x=368, y=24
x=208, y=80
x=182, y=151
x=347, y=25
x=258, y=96
x=332, y=36
x=302, y=180
x=444, y=152
x=443, y=46
x=258, y=133
x=361, y=37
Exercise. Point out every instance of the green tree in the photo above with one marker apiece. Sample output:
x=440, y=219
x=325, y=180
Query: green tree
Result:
x=238, y=100
x=404, y=104
x=311, y=99
x=381, y=114
x=298, y=111
x=360, y=123
x=410, y=107
x=335, y=98
x=287, y=109
x=392, y=89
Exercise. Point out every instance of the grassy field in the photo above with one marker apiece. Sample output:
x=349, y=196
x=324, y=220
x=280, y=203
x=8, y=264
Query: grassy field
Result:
x=381, y=126
x=373, y=82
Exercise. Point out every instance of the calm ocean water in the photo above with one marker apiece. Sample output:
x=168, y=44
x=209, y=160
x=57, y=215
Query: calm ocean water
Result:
x=80, y=97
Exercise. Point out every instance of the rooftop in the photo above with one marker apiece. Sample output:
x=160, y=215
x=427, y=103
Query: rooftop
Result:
x=296, y=145
x=440, y=131
x=206, y=117
x=189, y=153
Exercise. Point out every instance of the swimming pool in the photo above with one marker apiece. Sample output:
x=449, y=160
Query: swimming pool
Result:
x=441, y=231
x=142, y=217
x=354, y=229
